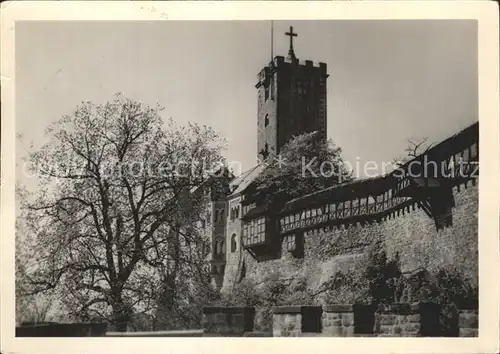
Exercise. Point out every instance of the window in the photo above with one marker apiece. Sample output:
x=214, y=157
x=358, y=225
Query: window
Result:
x=473, y=151
x=289, y=243
x=234, y=245
x=219, y=248
x=266, y=93
x=466, y=155
x=254, y=231
x=266, y=120
x=235, y=212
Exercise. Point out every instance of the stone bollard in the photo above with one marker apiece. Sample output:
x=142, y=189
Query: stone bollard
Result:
x=228, y=321
x=468, y=323
x=405, y=320
x=295, y=321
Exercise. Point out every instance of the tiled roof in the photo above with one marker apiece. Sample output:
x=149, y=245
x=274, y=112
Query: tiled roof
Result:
x=240, y=183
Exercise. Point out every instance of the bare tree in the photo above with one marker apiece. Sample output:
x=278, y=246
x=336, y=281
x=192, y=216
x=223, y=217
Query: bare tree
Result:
x=416, y=147
x=114, y=205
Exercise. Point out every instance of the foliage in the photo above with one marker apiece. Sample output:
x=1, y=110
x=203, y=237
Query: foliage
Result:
x=34, y=308
x=382, y=276
x=375, y=281
x=307, y=163
x=346, y=288
x=114, y=220
x=274, y=290
x=244, y=293
x=448, y=288
x=181, y=307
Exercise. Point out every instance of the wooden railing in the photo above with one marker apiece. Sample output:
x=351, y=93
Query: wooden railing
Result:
x=453, y=161
x=340, y=211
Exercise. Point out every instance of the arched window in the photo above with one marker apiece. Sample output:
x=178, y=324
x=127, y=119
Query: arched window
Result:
x=219, y=247
x=234, y=245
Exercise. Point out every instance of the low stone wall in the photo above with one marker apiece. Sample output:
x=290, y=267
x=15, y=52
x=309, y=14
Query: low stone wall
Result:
x=295, y=321
x=468, y=323
x=340, y=320
x=228, y=321
x=407, y=320
x=287, y=321
x=179, y=333
x=62, y=330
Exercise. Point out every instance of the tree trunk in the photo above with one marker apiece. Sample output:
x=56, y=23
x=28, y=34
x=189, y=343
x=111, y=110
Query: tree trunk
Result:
x=121, y=314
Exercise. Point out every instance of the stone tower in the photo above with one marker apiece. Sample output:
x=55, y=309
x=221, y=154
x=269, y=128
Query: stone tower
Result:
x=291, y=101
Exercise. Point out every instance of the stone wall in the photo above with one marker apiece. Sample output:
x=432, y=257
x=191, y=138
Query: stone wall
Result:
x=62, y=330
x=287, y=322
x=405, y=320
x=338, y=321
x=468, y=323
x=233, y=258
x=228, y=321
x=294, y=321
x=412, y=235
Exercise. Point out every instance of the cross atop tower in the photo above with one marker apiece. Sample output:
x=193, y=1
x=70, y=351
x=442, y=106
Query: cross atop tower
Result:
x=291, y=54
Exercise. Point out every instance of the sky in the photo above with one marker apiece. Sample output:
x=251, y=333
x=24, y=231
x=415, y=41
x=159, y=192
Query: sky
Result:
x=389, y=80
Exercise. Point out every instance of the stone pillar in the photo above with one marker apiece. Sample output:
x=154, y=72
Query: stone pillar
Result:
x=287, y=321
x=294, y=321
x=343, y=320
x=228, y=321
x=468, y=323
x=405, y=320
x=338, y=320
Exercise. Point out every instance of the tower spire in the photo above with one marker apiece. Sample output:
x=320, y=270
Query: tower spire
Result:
x=291, y=53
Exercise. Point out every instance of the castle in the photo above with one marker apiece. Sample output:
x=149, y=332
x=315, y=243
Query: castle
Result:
x=428, y=216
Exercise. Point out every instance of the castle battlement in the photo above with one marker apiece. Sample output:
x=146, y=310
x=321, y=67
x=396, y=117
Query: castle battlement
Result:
x=280, y=62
